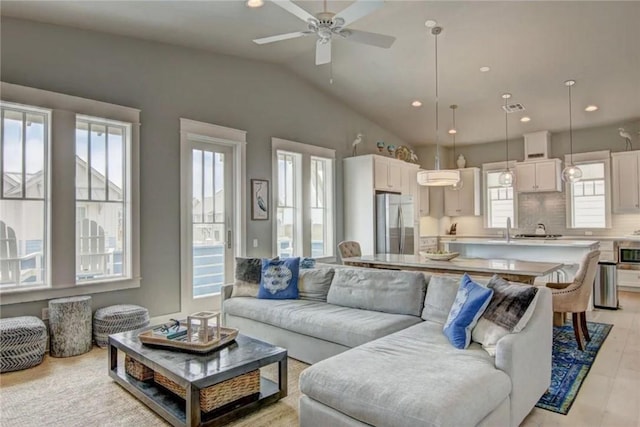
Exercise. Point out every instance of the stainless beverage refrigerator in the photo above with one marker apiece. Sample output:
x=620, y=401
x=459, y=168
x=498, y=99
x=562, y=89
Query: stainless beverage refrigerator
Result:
x=394, y=224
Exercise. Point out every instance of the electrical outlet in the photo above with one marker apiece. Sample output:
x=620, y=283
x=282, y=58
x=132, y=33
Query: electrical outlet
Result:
x=255, y=243
x=45, y=313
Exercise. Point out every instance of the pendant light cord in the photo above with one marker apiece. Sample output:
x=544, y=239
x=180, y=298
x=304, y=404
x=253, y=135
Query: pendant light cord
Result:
x=437, y=136
x=506, y=135
x=570, y=130
x=454, y=134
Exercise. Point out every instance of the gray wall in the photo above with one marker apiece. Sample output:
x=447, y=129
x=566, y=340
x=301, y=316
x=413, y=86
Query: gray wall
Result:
x=166, y=83
x=584, y=140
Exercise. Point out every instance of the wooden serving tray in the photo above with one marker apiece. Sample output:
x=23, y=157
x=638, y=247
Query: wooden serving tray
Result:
x=181, y=343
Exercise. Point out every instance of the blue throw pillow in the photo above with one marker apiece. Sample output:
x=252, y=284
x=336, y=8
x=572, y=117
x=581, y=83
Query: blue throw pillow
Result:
x=307, y=262
x=471, y=301
x=279, y=279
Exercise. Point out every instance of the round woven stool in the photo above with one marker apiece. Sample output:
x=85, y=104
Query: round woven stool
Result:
x=70, y=323
x=23, y=341
x=118, y=318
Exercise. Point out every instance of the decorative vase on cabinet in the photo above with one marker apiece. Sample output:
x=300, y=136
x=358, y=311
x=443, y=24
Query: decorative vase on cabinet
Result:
x=461, y=162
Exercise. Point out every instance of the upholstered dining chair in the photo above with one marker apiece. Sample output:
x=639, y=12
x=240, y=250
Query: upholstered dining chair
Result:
x=574, y=297
x=349, y=248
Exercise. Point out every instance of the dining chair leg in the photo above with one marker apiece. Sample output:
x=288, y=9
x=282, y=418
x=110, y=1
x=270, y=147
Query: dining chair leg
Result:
x=583, y=326
x=576, y=330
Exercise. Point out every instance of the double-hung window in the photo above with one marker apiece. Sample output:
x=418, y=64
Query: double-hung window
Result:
x=588, y=200
x=24, y=196
x=102, y=194
x=500, y=202
x=305, y=213
x=68, y=195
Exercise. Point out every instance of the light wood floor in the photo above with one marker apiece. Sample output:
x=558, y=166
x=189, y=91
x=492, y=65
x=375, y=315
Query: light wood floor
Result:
x=610, y=395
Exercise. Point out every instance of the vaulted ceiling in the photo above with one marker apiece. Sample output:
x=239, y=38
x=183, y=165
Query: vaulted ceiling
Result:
x=531, y=48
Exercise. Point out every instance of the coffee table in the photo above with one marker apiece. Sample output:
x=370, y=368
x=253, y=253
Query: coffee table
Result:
x=194, y=372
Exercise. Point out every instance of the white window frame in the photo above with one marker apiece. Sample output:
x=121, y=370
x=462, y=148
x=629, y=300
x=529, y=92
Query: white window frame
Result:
x=191, y=133
x=126, y=200
x=46, y=260
x=306, y=151
x=65, y=109
x=586, y=158
x=495, y=167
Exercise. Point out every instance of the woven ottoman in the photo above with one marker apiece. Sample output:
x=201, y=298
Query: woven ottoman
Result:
x=23, y=341
x=118, y=318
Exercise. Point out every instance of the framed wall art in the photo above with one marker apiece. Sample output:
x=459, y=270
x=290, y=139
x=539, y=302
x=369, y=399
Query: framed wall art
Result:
x=259, y=199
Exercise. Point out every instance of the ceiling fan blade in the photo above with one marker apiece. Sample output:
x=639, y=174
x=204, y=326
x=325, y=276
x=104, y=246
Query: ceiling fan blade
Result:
x=294, y=9
x=323, y=52
x=359, y=9
x=373, y=39
x=281, y=37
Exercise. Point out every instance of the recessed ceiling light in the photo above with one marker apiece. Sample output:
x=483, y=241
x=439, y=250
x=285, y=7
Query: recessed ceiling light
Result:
x=416, y=103
x=591, y=108
x=452, y=131
x=255, y=3
x=430, y=23
x=485, y=69
x=525, y=119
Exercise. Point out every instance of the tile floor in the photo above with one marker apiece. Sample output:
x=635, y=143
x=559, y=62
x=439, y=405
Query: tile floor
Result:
x=610, y=395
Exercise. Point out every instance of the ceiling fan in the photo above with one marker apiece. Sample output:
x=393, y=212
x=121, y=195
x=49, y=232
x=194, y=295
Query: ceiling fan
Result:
x=326, y=25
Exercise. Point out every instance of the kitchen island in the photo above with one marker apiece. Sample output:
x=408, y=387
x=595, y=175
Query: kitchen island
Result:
x=567, y=252
x=511, y=270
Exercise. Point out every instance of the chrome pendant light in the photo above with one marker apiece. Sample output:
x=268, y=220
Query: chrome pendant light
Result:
x=571, y=173
x=506, y=178
x=453, y=132
x=438, y=177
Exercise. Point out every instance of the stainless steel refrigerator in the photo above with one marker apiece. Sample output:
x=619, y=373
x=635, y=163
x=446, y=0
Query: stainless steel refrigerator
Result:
x=394, y=224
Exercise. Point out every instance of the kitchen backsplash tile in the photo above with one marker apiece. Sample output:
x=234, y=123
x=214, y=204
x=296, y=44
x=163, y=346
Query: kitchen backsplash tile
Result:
x=546, y=208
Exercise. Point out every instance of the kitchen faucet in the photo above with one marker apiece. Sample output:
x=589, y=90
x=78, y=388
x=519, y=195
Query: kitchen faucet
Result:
x=508, y=229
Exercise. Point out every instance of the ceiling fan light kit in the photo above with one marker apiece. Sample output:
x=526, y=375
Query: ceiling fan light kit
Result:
x=327, y=25
x=438, y=177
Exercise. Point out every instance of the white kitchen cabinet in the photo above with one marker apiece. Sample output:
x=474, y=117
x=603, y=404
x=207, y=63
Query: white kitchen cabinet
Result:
x=364, y=176
x=388, y=174
x=626, y=182
x=466, y=201
x=539, y=176
x=630, y=278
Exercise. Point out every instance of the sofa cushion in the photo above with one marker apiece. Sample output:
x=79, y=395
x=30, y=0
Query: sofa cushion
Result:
x=279, y=278
x=313, y=284
x=342, y=325
x=471, y=301
x=441, y=292
x=413, y=377
x=398, y=292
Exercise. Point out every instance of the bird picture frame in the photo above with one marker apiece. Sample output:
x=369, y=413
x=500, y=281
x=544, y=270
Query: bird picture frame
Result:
x=259, y=199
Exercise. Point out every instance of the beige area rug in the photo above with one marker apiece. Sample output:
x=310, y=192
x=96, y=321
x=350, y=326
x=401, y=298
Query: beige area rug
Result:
x=77, y=391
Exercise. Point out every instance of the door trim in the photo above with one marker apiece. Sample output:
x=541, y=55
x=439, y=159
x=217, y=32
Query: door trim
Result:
x=200, y=132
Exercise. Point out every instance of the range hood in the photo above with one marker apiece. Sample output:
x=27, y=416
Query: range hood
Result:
x=537, y=145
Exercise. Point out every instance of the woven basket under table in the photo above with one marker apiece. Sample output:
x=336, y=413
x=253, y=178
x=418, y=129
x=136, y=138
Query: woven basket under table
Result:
x=136, y=369
x=218, y=394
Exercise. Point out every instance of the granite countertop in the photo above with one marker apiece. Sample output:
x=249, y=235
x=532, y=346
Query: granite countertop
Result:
x=498, y=266
x=524, y=242
x=629, y=237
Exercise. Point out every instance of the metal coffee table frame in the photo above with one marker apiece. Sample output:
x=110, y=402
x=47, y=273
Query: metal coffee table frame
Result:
x=194, y=372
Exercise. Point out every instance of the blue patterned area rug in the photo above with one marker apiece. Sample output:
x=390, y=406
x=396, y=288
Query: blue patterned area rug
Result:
x=570, y=366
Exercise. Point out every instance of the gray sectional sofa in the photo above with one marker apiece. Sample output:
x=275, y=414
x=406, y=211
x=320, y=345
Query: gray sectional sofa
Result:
x=379, y=356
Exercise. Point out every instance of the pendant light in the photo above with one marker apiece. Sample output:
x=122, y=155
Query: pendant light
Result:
x=453, y=132
x=438, y=177
x=506, y=178
x=571, y=173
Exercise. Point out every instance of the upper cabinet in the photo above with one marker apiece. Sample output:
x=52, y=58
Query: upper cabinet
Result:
x=539, y=176
x=387, y=174
x=626, y=182
x=465, y=201
x=424, y=199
